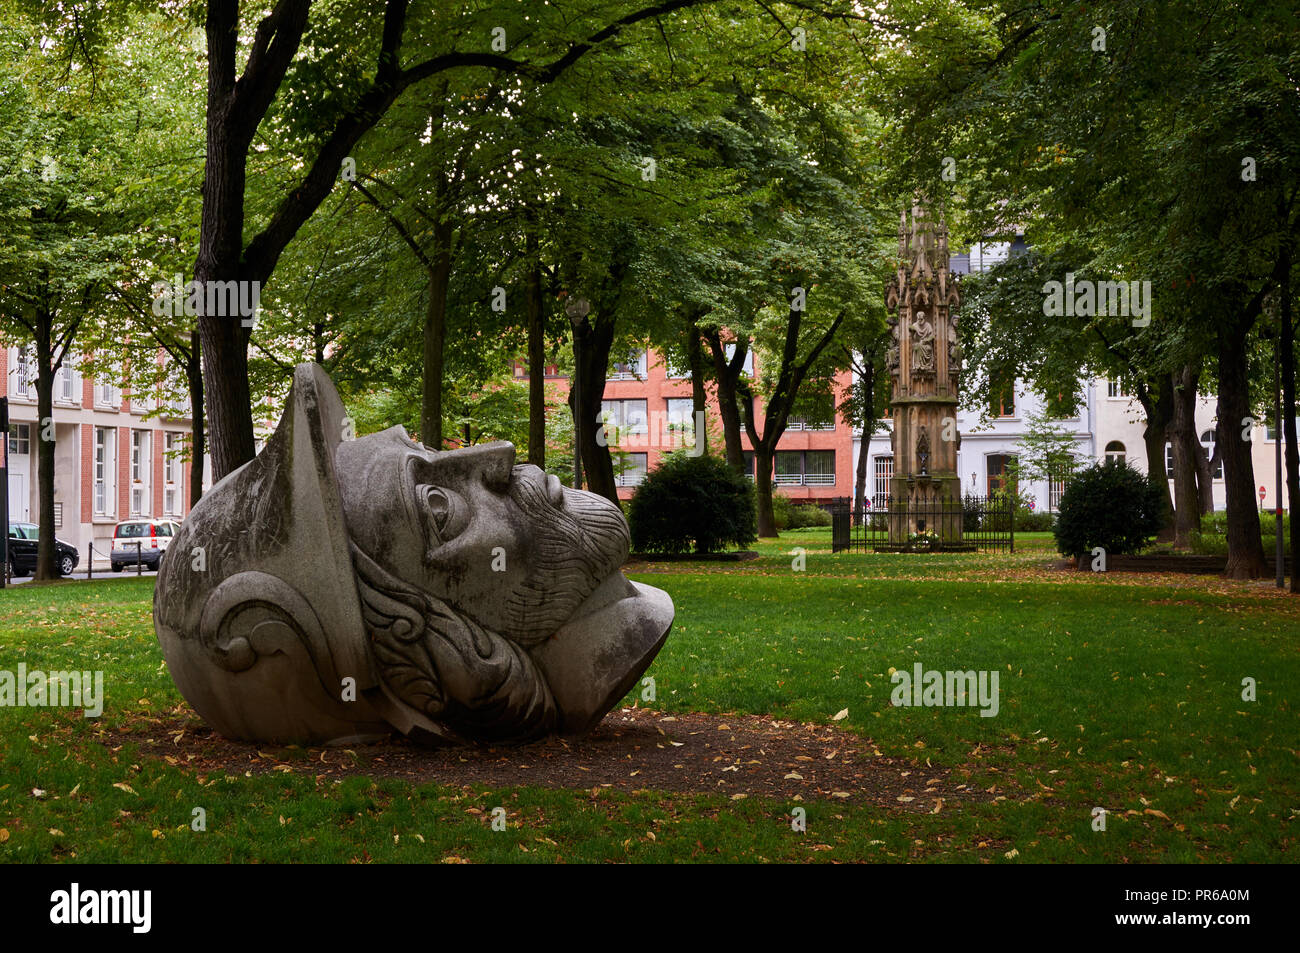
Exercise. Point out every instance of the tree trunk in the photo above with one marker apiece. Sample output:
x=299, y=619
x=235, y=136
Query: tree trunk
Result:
x=763, y=457
x=860, y=476
x=597, y=338
x=536, y=356
x=1245, y=548
x=727, y=374
x=868, y=427
x=1182, y=433
x=435, y=336
x=194, y=376
x=1288, y=423
x=45, y=551
x=699, y=398
x=1159, y=413
x=1204, y=472
x=224, y=349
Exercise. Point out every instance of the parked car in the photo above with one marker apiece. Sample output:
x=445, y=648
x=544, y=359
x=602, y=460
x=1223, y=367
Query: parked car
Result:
x=153, y=536
x=23, y=538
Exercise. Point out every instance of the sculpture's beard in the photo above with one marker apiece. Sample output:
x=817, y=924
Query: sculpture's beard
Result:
x=574, y=548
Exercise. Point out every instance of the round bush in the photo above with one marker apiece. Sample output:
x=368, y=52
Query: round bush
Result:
x=808, y=514
x=690, y=502
x=1110, y=505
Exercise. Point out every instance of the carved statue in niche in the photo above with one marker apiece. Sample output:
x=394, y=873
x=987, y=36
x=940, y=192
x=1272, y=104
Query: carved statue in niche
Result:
x=923, y=452
x=350, y=588
x=891, y=355
x=922, y=343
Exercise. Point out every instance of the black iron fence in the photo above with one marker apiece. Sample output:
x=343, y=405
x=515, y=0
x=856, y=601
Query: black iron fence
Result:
x=933, y=524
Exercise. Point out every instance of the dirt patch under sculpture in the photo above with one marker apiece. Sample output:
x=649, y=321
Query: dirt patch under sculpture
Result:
x=632, y=749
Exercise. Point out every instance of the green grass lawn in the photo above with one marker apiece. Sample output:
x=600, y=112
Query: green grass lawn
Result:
x=1119, y=692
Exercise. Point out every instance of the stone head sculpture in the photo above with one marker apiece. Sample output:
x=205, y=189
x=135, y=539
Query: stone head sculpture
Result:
x=335, y=590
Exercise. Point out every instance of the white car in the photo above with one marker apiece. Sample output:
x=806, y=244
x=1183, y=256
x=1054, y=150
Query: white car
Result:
x=153, y=537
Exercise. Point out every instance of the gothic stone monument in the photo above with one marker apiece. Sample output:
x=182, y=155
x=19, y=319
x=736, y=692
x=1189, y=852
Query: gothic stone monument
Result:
x=335, y=590
x=925, y=366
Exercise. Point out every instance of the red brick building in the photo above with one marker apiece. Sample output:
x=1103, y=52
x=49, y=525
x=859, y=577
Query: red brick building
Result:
x=110, y=462
x=647, y=409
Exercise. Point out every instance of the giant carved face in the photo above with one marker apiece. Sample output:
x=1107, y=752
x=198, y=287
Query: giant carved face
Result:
x=507, y=544
x=348, y=588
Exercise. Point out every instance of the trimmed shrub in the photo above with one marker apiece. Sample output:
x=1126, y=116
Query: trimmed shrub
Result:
x=1110, y=505
x=1033, y=521
x=781, y=507
x=692, y=502
x=808, y=514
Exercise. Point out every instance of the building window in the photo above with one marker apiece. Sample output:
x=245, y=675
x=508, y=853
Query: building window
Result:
x=681, y=416
x=1207, y=441
x=805, y=468
x=24, y=374
x=623, y=417
x=172, y=476
x=141, y=461
x=20, y=439
x=748, y=368
x=801, y=423
x=749, y=463
x=1115, y=451
x=819, y=468
x=1056, y=488
x=1002, y=400
x=632, y=367
x=998, y=469
x=1115, y=389
x=630, y=469
x=104, y=470
x=106, y=395
x=884, y=473
x=1169, y=460
x=65, y=389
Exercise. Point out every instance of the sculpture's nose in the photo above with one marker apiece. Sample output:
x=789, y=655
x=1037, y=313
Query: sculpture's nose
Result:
x=490, y=462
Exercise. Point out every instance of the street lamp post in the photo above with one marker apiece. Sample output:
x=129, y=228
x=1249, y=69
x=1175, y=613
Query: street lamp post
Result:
x=577, y=309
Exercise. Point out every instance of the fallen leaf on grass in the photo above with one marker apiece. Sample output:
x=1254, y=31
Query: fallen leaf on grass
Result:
x=840, y=715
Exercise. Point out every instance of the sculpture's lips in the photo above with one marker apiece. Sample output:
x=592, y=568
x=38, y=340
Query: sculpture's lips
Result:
x=615, y=587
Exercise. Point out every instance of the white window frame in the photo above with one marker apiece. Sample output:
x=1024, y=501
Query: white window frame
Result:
x=631, y=369
x=104, y=464
x=883, y=471
x=23, y=372
x=635, y=476
x=173, y=474
x=141, y=471
x=107, y=395
x=614, y=418
x=20, y=438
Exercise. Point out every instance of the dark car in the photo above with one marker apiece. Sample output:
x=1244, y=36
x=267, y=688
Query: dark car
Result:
x=23, y=538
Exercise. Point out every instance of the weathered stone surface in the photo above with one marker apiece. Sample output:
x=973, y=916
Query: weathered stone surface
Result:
x=333, y=590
